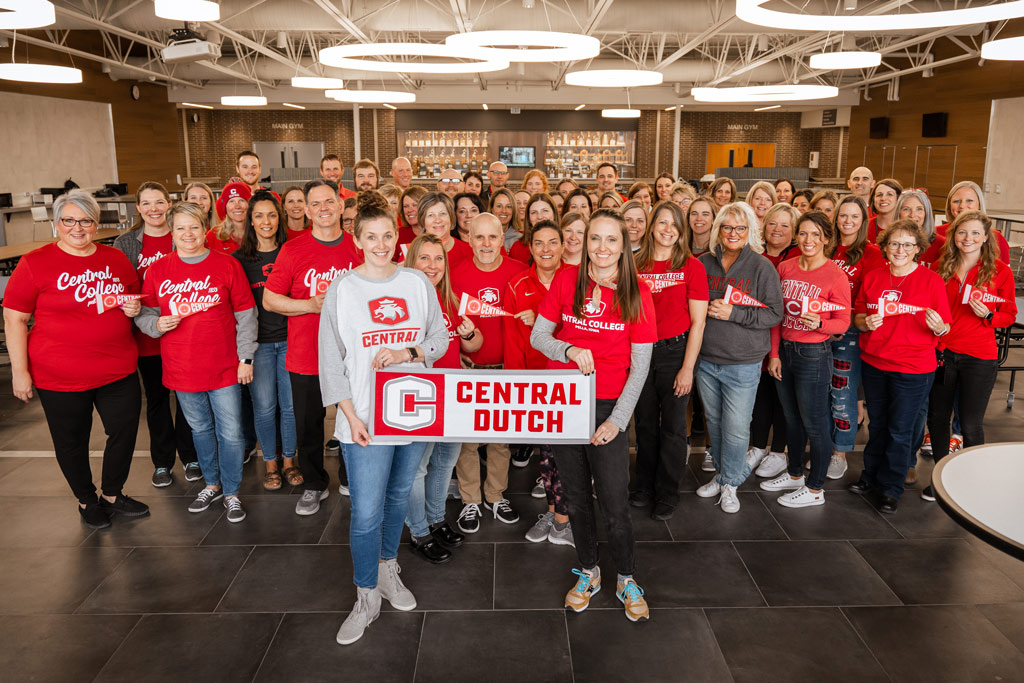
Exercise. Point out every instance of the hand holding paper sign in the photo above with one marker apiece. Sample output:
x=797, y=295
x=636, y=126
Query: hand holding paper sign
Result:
x=470, y=305
x=977, y=300
x=660, y=282
x=106, y=302
x=737, y=297
x=318, y=286
x=183, y=309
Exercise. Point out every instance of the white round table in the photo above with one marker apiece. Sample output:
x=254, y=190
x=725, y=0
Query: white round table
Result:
x=982, y=489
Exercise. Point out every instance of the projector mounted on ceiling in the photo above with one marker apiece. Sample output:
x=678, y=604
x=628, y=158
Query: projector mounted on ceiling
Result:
x=188, y=46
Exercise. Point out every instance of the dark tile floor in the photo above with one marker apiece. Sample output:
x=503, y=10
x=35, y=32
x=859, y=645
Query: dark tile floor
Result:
x=839, y=593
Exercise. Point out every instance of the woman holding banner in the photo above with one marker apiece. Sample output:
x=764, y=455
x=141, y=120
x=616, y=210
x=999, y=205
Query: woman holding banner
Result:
x=432, y=537
x=679, y=288
x=901, y=311
x=605, y=323
x=352, y=323
x=980, y=291
x=746, y=302
x=816, y=299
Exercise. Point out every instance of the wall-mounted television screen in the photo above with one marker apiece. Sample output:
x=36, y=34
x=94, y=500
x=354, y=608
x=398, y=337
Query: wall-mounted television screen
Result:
x=879, y=127
x=518, y=157
x=934, y=125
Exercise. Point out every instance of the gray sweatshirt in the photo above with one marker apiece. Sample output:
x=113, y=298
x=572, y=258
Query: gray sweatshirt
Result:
x=746, y=337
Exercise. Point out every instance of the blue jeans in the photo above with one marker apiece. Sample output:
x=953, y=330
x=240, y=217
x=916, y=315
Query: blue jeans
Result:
x=894, y=402
x=379, y=480
x=216, y=421
x=430, y=487
x=271, y=389
x=845, y=381
x=728, y=392
x=804, y=392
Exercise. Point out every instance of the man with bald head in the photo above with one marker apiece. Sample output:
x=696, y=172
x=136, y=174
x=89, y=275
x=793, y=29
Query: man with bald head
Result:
x=485, y=277
x=861, y=182
x=401, y=173
x=497, y=175
x=450, y=182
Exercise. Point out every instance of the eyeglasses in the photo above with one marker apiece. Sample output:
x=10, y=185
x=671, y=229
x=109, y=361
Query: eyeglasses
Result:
x=905, y=246
x=71, y=222
x=449, y=180
x=348, y=221
x=499, y=172
x=734, y=228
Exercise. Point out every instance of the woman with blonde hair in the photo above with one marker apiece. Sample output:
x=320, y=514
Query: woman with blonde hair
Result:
x=202, y=195
x=609, y=200
x=682, y=194
x=761, y=197
x=642, y=192
x=967, y=195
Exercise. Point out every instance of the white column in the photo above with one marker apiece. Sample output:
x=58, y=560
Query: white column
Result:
x=675, y=144
x=355, y=133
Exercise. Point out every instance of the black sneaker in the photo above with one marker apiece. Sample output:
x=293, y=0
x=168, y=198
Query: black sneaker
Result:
x=162, y=477
x=94, y=517
x=469, y=519
x=249, y=452
x=123, y=505
x=640, y=499
x=430, y=550
x=332, y=447
x=928, y=494
x=521, y=456
x=447, y=536
x=889, y=505
x=663, y=512
x=502, y=511
x=193, y=472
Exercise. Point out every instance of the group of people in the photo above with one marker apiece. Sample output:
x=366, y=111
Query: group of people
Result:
x=757, y=323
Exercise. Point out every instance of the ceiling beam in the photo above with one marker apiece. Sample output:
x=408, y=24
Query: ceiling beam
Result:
x=600, y=8
x=342, y=20
x=260, y=48
x=889, y=75
x=692, y=44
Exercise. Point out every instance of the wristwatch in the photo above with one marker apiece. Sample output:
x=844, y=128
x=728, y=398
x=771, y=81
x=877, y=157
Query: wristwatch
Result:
x=988, y=318
x=412, y=354
x=469, y=336
x=246, y=361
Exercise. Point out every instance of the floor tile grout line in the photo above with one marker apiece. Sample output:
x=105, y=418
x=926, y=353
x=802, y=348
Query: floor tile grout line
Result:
x=119, y=646
x=568, y=645
x=770, y=514
x=105, y=579
x=875, y=571
x=212, y=527
x=704, y=613
x=234, y=578
x=266, y=653
x=747, y=570
x=419, y=646
x=860, y=637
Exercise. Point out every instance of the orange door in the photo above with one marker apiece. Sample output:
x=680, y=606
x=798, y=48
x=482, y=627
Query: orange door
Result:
x=724, y=155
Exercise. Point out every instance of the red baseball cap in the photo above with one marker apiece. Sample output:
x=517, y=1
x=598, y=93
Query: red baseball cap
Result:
x=230, y=191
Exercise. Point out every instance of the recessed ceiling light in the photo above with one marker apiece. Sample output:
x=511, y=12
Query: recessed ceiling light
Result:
x=1004, y=48
x=751, y=12
x=620, y=113
x=528, y=46
x=316, y=82
x=579, y=107
x=40, y=73
x=484, y=105
x=243, y=101
x=187, y=10
x=353, y=57
x=765, y=93
x=371, y=96
x=26, y=14
x=672, y=108
x=389, y=106
x=191, y=104
x=614, y=78
x=771, y=106
x=293, y=106
x=853, y=59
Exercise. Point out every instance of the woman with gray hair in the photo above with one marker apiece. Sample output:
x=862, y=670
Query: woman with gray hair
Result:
x=80, y=353
x=914, y=205
x=737, y=338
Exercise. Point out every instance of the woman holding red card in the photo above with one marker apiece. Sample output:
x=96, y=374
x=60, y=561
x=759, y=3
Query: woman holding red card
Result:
x=901, y=312
x=980, y=290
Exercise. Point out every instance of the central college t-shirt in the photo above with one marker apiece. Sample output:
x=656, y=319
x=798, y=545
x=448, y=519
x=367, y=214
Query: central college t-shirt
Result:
x=273, y=327
x=153, y=249
x=602, y=331
x=302, y=260
x=671, y=300
x=871, y=258
x=71, y=347
x=489, y=287
x=201, y=353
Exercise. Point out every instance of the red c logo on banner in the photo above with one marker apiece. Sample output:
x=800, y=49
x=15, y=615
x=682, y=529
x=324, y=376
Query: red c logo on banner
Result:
x=410, y=403
x=109, y=301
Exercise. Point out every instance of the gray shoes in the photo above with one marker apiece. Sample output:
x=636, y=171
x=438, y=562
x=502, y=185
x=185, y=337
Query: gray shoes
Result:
x=391, y=587
x=309, y=502
x=545, y=529
x=367, y=607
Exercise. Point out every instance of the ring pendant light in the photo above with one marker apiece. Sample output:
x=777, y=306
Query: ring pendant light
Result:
x=614, y=78
x=751, y=12
x=854, y=59
x=243, y=100
x=371, y=96
x=620, y=113
x=530, y=46
x=765, y=93
x=353, y=57
x=1004, y=48
x=187, y=10
x=26, y=14
x=317, y=82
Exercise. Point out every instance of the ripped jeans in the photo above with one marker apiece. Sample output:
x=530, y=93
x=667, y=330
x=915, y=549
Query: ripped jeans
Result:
x=845, y=381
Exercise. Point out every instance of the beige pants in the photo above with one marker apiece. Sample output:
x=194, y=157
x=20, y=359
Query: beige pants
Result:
x=468, y=471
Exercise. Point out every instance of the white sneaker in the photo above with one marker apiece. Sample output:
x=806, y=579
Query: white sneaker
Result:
x=710, y=489
x=728, y=500
x=783, y=482
x=343, y=490
x=708, y=465
x=773, y=465
x=755, y=456
x=364, y=613
x=391, y=587
x=803, y=497
x=836, y=467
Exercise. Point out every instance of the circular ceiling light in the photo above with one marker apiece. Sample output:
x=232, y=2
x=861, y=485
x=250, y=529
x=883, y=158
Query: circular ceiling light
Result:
x=26, y=13
x=765, y=93
x=846, y=60
x=371, y=96
x=316, y=82
x=751, y=12
x=1004, y=48
x=187, y=10
x=352, y=57
x=40, y=73
x=620, y=113
x=528, y=46
x=614, y=78
x=243, y=101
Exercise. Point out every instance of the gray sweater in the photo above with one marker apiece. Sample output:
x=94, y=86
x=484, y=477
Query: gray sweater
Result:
x=130, y=244
x=746, y=336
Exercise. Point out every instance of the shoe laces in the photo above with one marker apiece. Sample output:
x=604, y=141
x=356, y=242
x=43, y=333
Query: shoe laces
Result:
x=393, y=571
x=631, y=591
x=208, y=494
x=470, y=512
x=502, y=506
x=161, y=470
x=728, y=495
x=233, y=504
x=583, y=585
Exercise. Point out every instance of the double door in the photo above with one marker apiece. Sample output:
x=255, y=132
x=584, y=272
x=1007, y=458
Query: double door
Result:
x=289, y=154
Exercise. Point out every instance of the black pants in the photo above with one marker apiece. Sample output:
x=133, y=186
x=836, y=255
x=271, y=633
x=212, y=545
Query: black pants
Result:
x=768, y=416
x=309, y=426
x=69, y=417
x=660, y=418
x=608, y=467
x=165, y=434
x=697, y=425
x=974, y=378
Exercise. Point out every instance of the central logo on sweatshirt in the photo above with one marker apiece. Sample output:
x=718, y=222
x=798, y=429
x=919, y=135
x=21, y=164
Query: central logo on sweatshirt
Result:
x=489, y=295
x=891, y=295
x=594, y=310
x=389, y=310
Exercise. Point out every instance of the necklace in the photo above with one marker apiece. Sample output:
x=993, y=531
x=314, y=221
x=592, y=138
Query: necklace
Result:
x=595, y=296
x=897, y=284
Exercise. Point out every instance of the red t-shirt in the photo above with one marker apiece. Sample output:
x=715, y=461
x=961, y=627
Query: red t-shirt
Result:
x=828, y=283
x=1004, y=246
x=870, y=259
x=459, y=254
x=292, y=234
x=930, y=256
x=672, y=304
x=602, y=331
x=71, y=347
x=345, y=193
x=904, y=343
x=302, y=260
x=524, y=292
x=520, y=252
x=201, y=353
x=214, y=243
x=489, y=287
x=153, y=249
x=969, y=334
x=450, y=359
x=405, y=234
x=872, y=229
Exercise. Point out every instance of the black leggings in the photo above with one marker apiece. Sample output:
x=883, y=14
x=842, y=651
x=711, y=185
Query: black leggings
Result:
x=974, y=378
x=768, y=416
x=165, y=434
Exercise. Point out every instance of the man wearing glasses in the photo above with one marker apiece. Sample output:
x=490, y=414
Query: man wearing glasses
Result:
x=450, y=182
x=497, y=173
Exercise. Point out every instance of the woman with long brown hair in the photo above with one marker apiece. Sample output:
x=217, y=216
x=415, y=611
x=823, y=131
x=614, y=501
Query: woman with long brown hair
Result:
x=884, y=196
x=700, y=216
x=640, y=191
x=503, y=206
x=578, y=201
x=663, y=187
x=723, y=191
